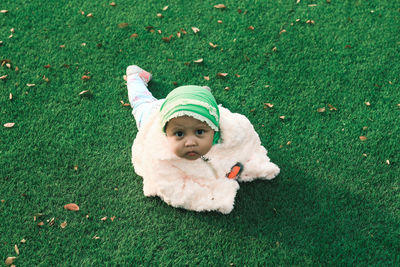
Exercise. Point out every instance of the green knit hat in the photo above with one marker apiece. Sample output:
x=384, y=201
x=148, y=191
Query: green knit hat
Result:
x=193, y=101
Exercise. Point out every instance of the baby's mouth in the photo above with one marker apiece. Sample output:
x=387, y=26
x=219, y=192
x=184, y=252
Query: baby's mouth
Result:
x=191, y=153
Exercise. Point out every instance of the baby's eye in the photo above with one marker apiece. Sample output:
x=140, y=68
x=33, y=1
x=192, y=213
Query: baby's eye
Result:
x=200, y=132
x=179, y=134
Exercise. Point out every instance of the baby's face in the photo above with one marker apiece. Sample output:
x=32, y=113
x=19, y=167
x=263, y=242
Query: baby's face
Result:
x=189, y=138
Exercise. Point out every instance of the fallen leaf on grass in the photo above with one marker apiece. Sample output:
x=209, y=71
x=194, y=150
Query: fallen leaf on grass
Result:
x=11, y=96
x=16, y=249
x=63, y=225
x=84, y=92
x=90, y=15
x=9, y=124
x=23, y=241
x=165, y=8
x=212, y=45
x=96, y=237
x=367, y=104
x=268, y=105
x=195, y=29
x=125, y=104
x=220, y=6
x=123, y=25
x=134, y=35
x=167, y=39
x=3, y=11
x=206, y=78
x=251, y=28
x=9, y=260
x=159, y=15
x=113, y=4
x=282, y=117
x=40, y=224
x=30, y=84
x=363, y=138
x=310, y=22
x=198, y=61
x=3, y=77
x=85, y=77
x=71, y=206
x=320, y=110
x=331, y=107
x=104, y=218
x=112, y=218
x=222, y=74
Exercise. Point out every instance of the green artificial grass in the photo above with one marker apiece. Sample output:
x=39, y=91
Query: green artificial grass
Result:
x=331, y=68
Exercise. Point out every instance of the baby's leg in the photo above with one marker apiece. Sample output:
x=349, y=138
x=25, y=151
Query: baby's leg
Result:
x=140, y=98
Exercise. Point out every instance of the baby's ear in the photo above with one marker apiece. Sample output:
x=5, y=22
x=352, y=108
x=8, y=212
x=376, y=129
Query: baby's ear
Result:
x=206, y=87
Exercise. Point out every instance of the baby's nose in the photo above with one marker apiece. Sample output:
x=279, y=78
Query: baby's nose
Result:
x=190, y=142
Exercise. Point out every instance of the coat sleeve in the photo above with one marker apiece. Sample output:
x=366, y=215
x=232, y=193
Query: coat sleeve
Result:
x=179, y=190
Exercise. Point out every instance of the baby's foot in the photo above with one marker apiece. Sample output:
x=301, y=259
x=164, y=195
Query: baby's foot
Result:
x=132, y=70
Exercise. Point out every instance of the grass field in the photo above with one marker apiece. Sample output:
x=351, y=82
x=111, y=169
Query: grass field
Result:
x=331, y=70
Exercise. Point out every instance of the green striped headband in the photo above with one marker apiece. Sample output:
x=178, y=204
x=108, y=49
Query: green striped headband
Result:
x=193, y=101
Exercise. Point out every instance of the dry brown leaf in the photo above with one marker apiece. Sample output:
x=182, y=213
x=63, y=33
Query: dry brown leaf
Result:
x=222, y=74
x=112, y=218
x=9, y=260
x=71, y=206
x=47, y=66
x=23, y=241
x=212, y=45
x=363, y=138
x=104, y=218
x=227, y=88
x=387, y=162
x=237, y=75
x=62, y=46
x=220, y=6
x=165, y=8
x=40, y=224
x=8, y=65
x=321, y=110
x=51, y=222
x=12, y=30
x=125, y=104
x=367, y=103
x=90, y=15
x=123, y=25
x=206, y=78
x=30, y=84
x=178, y=34
x=198, y=61
x=331, y=107
x=251, y=28
x=83, y=92
x=85, y=77
x=219, y=21
x=96, y=237
x=282, y=117
x=3, y=77
x=195, y=29
x=63, y=225
x=183, y=31
x=268, y=105
x=3, y=11
x=159, y=15
x=113, y=4
x=310, y=22
x=16, y=249
x=11, y=96
x=9, y=124
x=134, y=35
x=46, y=79
x=167, y=39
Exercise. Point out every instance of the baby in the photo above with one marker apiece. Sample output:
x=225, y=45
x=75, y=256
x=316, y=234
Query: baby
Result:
x=190, y=151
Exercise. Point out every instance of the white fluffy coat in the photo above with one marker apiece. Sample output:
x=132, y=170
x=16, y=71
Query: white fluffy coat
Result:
x=198, y=185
